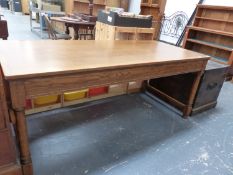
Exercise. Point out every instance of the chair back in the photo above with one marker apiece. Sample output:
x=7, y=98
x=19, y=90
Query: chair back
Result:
x=51, y=32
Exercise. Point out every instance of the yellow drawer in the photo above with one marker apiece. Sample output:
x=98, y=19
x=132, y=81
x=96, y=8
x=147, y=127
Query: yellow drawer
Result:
x=76, y=95
x=44, y=100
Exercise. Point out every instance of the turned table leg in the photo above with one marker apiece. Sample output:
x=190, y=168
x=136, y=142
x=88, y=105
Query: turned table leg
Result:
x=188, y=109
x=22, y=133
x=18, y=97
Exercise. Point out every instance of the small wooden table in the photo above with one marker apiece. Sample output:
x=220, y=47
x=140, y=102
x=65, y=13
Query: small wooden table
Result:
x=76, y=25
x=37, y=68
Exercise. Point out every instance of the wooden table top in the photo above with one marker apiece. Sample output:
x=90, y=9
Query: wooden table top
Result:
x=25, y=59
x=71, y=21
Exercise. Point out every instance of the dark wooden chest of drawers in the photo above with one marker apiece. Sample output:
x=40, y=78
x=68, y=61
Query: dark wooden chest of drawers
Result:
x=175, y=90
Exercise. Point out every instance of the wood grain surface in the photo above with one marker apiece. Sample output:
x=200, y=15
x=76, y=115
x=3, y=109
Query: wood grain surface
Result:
x=27, y=59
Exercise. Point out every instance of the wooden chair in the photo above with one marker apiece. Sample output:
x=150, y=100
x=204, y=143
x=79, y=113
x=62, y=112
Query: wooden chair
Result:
x=52, y=34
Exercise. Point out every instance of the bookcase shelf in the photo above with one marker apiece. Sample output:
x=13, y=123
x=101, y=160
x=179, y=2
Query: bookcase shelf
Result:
x=222, y=47
x=218, y=32
x=212, y=19
x=212, y=34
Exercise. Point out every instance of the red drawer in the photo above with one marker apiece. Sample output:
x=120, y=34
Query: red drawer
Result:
x=28, y=104
x=98, y=91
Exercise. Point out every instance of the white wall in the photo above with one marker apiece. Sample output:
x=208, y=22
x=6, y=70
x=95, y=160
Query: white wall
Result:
x=219, y=2
x=179, y=5
x=134, y=6
x=186, y=6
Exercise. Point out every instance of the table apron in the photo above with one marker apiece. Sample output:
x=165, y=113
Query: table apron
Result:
x=61, y=83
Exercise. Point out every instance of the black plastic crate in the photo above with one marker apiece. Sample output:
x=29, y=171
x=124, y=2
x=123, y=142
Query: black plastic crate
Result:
x=112, y=18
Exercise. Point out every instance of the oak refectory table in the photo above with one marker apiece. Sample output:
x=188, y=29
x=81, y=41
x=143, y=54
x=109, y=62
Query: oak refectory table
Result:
x=36, y=68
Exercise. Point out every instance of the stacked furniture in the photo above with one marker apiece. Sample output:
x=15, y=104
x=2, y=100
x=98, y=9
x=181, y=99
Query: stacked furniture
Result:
x=3, y=28
x=212, y=34
x=155, y=8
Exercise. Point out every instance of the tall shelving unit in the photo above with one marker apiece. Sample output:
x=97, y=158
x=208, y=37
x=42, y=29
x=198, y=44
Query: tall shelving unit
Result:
x=155, y=8
x=212, y=34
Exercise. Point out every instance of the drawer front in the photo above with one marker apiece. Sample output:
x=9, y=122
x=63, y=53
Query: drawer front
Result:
x=209, y=88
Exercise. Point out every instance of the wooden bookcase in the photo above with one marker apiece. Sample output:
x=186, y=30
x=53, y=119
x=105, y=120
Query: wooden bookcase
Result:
x=155, y=8
x=212, y=34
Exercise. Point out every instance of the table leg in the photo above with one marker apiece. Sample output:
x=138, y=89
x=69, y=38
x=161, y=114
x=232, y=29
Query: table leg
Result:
x=21, y=128
x=188, y=109
x=18, y=97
